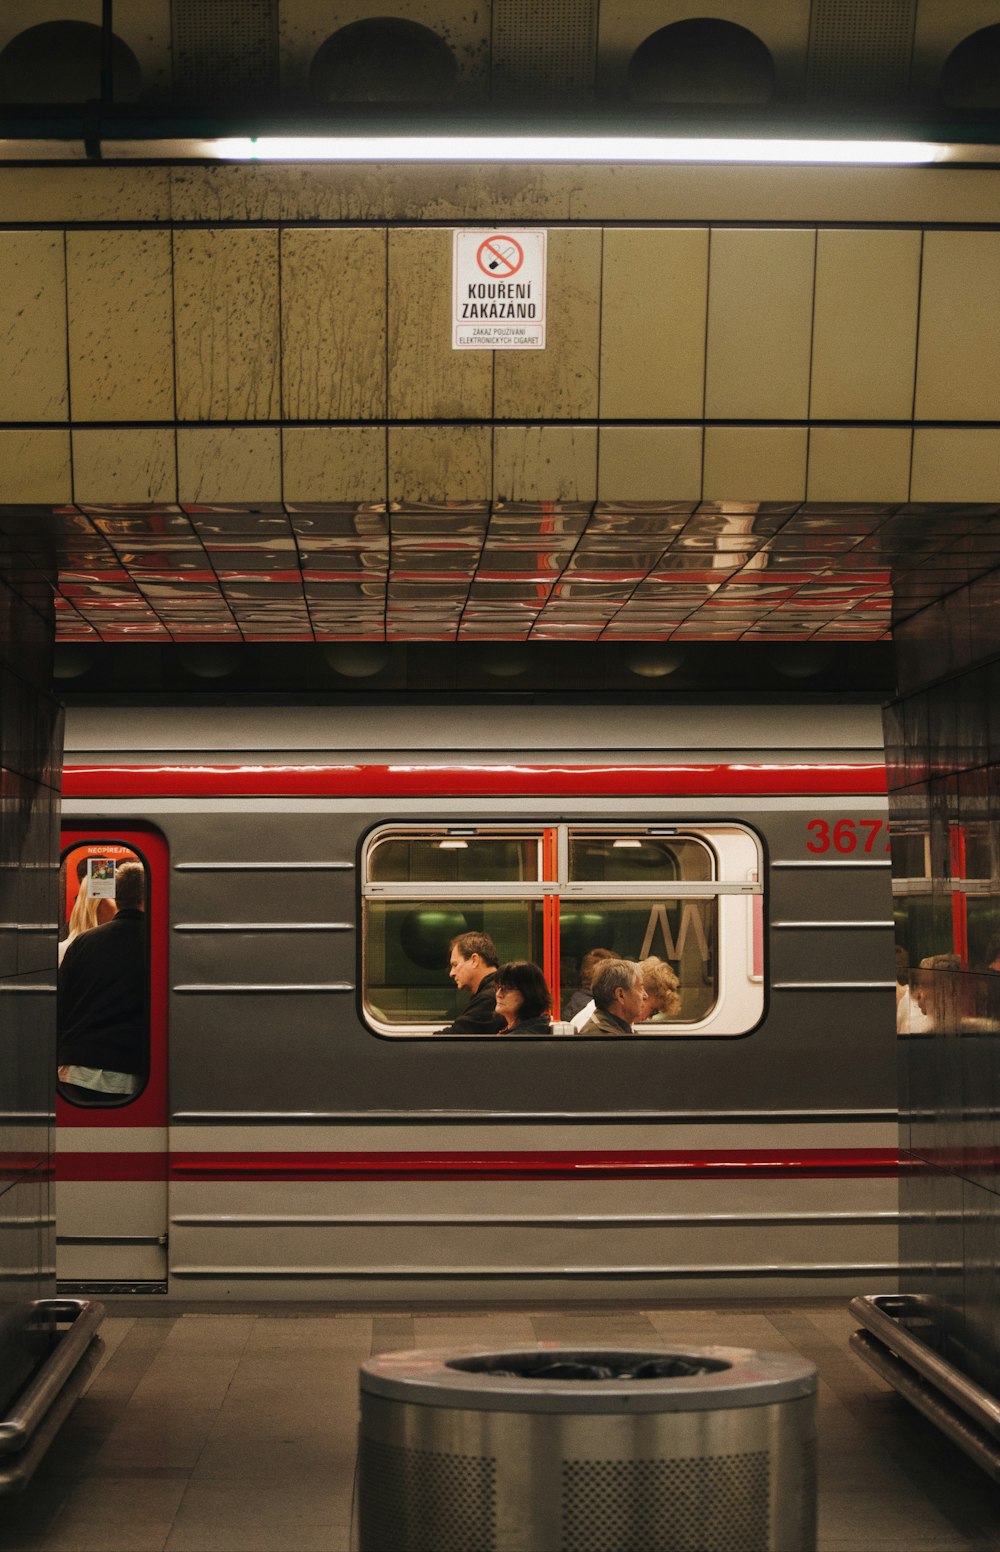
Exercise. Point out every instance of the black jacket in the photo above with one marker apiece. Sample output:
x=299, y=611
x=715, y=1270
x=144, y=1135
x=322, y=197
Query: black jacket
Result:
x=481, y=1016
x=540, y=1025
x=103, y=993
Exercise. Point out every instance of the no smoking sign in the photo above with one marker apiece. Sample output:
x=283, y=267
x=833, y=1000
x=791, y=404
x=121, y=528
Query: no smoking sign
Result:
x=498, y=286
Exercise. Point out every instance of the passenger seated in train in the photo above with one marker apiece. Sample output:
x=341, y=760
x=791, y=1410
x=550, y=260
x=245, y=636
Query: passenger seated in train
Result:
x=473, y=968
x=523, y=999
x=662, y=988
x=583, y=996
x=619, y=997
x=102, y=999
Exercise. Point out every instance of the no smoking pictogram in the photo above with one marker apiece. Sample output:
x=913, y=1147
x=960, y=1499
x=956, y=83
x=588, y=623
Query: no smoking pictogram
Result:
x=500, y=256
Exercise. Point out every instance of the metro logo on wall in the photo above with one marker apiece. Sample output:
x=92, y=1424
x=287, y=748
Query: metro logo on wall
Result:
x=498, y=282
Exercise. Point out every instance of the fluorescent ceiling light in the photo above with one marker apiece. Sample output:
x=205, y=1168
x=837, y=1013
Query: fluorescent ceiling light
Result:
x=575, y=148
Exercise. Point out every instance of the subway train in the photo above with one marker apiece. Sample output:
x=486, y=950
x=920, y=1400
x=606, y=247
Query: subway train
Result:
x=305, y=1130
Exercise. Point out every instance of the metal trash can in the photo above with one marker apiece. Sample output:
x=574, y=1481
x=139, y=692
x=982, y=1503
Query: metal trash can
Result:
x=551, y=1449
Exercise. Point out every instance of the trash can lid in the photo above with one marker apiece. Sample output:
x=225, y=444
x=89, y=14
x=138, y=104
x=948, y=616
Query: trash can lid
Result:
x=553, y=1377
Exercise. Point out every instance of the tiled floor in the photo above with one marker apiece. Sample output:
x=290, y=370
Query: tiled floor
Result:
x=235, y=1431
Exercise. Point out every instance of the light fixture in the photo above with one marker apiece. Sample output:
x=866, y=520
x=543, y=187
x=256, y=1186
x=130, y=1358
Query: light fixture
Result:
x=621, y=845
x=575, y=148
x=453, y=845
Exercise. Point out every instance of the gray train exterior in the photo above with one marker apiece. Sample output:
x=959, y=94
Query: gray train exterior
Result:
x=781, y=1136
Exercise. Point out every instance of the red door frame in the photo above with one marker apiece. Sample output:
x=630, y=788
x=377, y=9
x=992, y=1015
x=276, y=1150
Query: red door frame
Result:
x=150, y=1107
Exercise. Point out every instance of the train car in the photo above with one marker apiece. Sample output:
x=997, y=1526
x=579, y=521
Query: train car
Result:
x=303, y=1128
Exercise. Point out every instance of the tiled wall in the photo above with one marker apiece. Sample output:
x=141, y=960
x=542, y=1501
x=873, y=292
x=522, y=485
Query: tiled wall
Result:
x=943, y=754
x=30, y=762
x=227, y=362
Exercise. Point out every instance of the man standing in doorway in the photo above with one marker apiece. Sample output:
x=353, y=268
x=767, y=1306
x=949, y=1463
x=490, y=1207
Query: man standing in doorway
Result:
x=473, y=968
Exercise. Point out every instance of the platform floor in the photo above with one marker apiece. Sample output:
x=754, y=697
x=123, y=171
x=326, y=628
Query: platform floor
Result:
x=235, y=1431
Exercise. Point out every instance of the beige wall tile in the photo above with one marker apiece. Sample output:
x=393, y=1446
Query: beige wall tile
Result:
x=955, y=465
x=865, y=326
x=226, y=305
x=759, y=324
x=124, y=465
x=561, y=380
x=650, y=463
x=33, y=326
x=545, y=463
x=334, y=463
x=85, y=193
x=654, y=296
x=958, y=362
x=439, y=463
x=859, y=463
x=333, y=324
x=426, y=377
x=35, y=467
x=755, y=463
x=229, y=463
x=121, y=340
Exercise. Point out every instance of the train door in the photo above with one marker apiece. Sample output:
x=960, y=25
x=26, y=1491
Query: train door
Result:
x=111, y=1093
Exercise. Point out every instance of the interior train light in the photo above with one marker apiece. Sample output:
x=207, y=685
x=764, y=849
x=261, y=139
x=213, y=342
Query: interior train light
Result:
x=576, y=148
x=453, y=845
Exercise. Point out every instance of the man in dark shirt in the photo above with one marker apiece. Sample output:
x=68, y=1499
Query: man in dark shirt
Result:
x=473, y=968
x=102, y=998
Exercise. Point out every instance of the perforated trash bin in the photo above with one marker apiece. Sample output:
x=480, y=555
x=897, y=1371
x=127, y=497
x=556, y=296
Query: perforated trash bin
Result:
x=551, y=1449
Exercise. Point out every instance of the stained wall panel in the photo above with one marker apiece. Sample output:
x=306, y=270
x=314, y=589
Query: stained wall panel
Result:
x=755, y=463
x=865, y=326
x=333, y=324
x=958, y=362
x=427, y=378
x=559, y=382
x=654, y=296
x=955, y=463
x=226, y=324
x=439, y=463
x=33, y=326
x=229, y=463
x=125, y=464
x=35, y=467
x=859, y=463
x=650, y=463
x=120, y=325
x=334, y=463
x=759, y=324
x=545, y=463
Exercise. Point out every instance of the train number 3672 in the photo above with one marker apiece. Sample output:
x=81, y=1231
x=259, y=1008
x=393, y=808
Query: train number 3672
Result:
x=846, y=835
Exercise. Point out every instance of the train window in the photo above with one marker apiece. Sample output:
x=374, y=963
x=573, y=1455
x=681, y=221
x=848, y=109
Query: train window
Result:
x=640, y=859
x=455, y=858
x=553, y=892
x=103, y=1004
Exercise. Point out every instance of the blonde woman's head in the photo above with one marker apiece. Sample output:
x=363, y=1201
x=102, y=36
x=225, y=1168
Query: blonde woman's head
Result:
x=661, y=986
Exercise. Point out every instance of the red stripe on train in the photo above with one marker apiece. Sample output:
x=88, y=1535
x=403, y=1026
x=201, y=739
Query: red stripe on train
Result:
x=807, y=1163
x=436, y=781
x=111, y=1166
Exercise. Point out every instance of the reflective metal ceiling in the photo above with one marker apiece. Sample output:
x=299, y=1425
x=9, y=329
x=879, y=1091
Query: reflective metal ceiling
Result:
x=711, y=572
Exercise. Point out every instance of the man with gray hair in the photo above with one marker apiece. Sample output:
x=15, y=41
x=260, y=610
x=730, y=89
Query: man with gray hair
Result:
x=619, y=996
